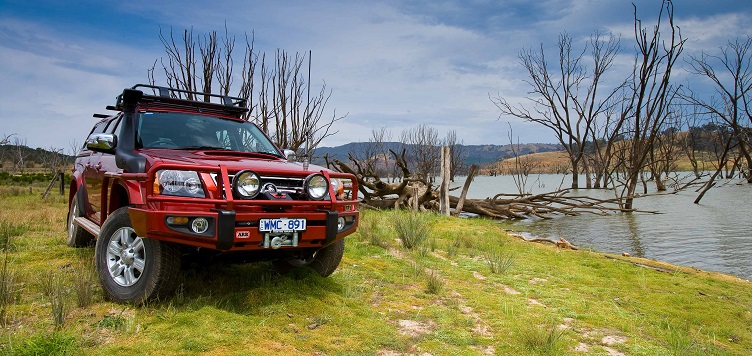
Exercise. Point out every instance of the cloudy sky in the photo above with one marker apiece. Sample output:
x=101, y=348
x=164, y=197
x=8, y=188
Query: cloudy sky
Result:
x=388, y=63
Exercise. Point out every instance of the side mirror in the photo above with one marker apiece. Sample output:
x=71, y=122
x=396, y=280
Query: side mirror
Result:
x=290, y=154
x=102, y=142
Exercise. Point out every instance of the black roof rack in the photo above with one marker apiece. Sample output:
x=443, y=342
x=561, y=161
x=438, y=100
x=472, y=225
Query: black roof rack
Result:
x=101, y=116
x=181, y=98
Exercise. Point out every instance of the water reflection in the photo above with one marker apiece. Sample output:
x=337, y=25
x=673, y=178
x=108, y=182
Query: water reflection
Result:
x=634, y=234
x=715, y=235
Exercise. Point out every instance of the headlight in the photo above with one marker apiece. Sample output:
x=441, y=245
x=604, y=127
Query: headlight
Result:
x=178, y=183
x=316, y=186
x=246, y=184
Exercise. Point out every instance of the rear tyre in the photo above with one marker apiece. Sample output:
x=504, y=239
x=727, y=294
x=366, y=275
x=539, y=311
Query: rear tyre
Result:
x=131, y=268
x=77, y=236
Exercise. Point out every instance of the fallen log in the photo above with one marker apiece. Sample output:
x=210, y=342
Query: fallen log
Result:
x=562, y=243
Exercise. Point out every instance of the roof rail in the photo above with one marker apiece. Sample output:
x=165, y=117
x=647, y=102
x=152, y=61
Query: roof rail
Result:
x=174, y=96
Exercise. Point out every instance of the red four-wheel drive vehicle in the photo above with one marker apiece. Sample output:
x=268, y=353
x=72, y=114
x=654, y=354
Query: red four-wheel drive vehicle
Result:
x=165, y=177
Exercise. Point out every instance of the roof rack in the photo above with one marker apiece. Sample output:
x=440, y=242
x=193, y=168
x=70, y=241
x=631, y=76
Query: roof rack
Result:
x=180, y=97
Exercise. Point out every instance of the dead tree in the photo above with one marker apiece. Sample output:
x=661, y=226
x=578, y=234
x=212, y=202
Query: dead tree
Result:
x=282, y=105
x=567, y=98
x=422, y=146
x=731, y=75
x=458, y=153
x=649, y=95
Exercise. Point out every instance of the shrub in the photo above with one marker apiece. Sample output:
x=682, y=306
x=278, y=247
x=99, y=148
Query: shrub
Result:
x=498, y=260
x=412, y=228
x=543, y=339
x=84, y=282
x=434, y=283
x=58, y=303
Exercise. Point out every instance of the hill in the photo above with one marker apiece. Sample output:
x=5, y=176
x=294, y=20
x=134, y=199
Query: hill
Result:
x=34, y=159
x=474, y=154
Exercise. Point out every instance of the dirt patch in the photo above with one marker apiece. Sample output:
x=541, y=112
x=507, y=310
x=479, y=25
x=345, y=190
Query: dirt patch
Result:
x=395, y=252
x=537, y=280
x=612, y=352
x=582, y=347
x=484, y=350
x=567, y=324
x=535, y=302
x=414, y=328
x=509, y=290
x=478, y=276
x=610, y=340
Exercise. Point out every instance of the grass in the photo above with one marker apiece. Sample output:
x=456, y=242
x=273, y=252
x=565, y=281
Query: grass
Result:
x=383, y=298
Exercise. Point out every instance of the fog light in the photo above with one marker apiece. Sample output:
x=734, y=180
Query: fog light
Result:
x=200, y=225
x=340, y=223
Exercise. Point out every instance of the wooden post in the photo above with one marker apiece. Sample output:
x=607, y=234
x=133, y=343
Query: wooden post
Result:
x=416, y=199
x=62, y=182
x=446, y=156
x=470, y=176
x=49, y=187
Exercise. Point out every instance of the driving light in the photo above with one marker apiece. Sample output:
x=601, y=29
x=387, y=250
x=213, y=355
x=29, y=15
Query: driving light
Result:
x=316, y=186
x=246, y=184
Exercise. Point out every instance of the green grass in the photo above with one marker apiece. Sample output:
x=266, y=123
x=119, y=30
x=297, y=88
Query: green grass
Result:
x=443, y=300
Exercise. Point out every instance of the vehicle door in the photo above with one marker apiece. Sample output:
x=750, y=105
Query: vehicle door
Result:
x=94, y=173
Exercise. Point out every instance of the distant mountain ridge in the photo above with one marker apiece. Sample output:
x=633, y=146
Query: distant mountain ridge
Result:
x=475, y=154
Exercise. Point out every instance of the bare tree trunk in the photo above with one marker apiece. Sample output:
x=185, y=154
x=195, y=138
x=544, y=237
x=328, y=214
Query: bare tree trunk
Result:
x=465, y=188
x=446, y=156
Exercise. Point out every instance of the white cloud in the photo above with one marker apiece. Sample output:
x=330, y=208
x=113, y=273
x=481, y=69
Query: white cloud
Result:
x=54, y=83
x=388, y=63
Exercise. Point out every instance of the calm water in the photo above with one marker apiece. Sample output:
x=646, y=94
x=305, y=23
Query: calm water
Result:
x=715, y=235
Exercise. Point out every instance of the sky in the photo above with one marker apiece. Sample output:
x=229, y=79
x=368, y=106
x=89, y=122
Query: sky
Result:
x=394, y=64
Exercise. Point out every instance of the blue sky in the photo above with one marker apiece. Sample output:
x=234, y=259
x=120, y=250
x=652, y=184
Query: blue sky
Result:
x=389, y=63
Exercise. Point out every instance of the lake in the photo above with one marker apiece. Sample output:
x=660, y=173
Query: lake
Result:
x=715, y=235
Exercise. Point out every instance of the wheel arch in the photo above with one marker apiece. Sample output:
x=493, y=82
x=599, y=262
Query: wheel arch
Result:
x=119, y=197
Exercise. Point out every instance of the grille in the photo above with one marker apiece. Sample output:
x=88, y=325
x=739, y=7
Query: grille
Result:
x=291, y=186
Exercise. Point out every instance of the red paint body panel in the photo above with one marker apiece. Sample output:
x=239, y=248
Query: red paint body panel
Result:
x=106, y=187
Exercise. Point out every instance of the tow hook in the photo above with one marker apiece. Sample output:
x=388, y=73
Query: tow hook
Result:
x=277, y=241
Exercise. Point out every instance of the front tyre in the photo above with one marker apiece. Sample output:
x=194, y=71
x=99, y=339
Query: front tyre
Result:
x=325, y=261
x=134, y=269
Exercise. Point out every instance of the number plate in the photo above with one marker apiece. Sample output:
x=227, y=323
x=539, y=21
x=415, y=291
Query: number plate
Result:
x=282, y=225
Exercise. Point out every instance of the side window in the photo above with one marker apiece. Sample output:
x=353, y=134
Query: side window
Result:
x=99, y=127
x=114, y=126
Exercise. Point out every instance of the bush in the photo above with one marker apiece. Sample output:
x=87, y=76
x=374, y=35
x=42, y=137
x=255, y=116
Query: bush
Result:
x=498, y=260
x=412, y=228
x=434, y=283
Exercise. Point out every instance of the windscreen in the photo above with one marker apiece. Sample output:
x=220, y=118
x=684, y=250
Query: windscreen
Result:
x=171, y=130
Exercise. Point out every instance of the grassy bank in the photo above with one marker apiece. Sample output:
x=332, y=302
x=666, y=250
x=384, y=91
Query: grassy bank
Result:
x=464, y=287
x=558, y=163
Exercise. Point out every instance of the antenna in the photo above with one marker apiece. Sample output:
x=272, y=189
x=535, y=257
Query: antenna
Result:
x=307, y=133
